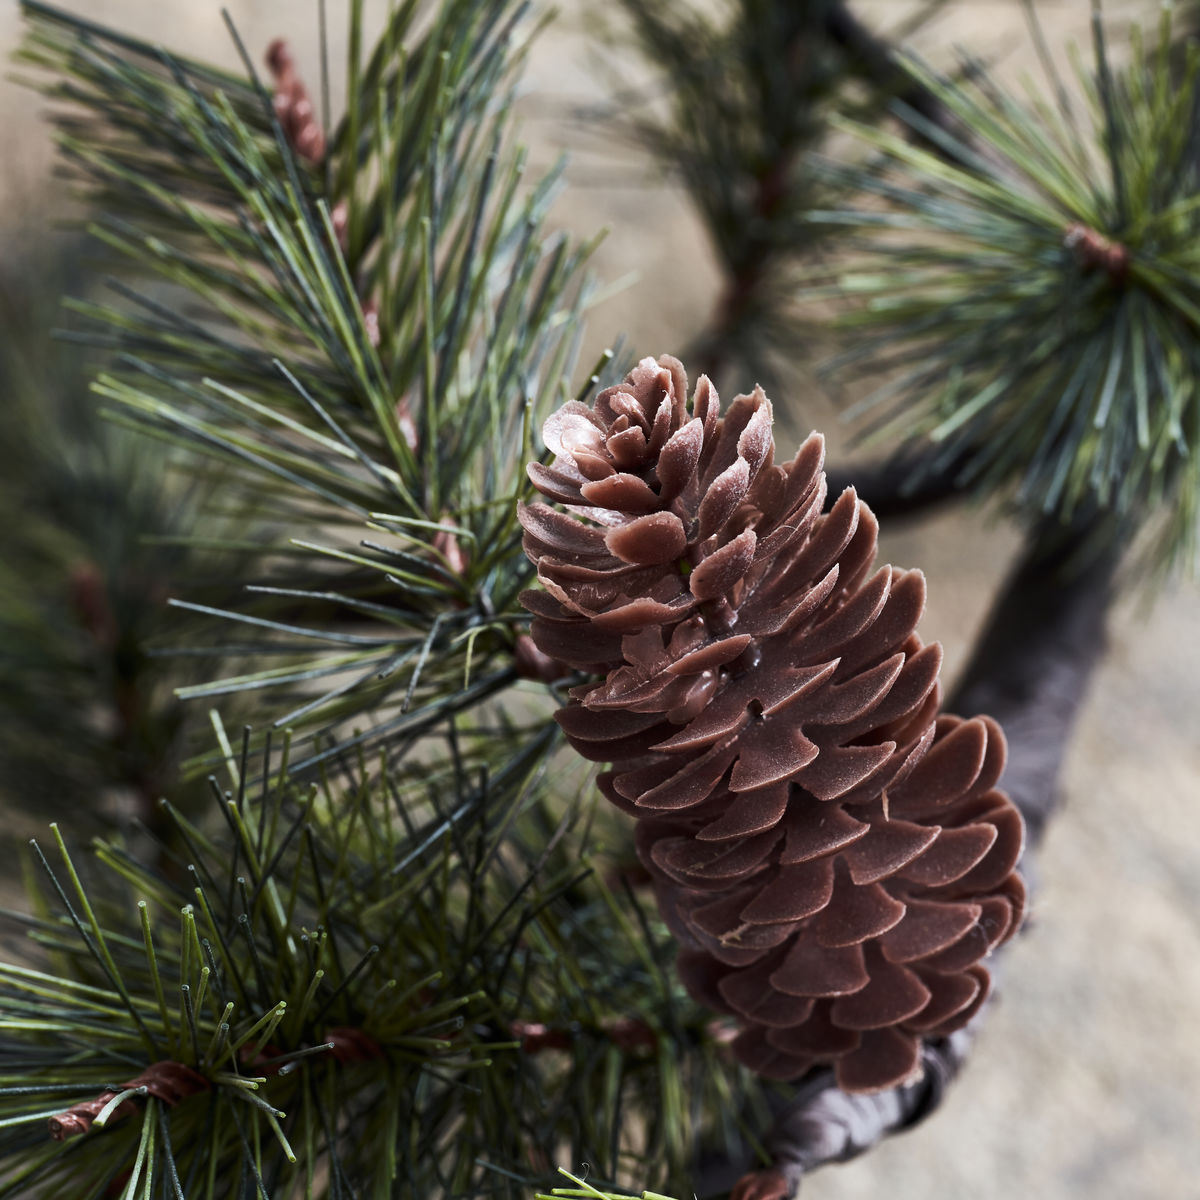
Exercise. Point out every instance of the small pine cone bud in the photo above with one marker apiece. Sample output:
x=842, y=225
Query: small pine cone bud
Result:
x=293, y=106
x=831, y=854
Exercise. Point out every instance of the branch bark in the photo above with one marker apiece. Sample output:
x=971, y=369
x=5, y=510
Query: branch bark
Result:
x=876, y=58
x=901, y=486
x=1033, y=662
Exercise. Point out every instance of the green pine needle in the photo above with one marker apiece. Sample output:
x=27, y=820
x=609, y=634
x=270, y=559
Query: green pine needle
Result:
x=584, y=1191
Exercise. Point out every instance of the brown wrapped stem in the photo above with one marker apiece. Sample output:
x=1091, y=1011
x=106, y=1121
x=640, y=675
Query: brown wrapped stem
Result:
x=167, y=1081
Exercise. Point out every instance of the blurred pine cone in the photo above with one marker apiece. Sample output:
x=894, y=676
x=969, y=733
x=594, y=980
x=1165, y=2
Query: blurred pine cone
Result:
x=293, y=106
x=830, y=853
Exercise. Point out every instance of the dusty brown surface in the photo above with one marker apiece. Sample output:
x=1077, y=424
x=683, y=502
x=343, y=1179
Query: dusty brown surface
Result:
x=1086, y=1082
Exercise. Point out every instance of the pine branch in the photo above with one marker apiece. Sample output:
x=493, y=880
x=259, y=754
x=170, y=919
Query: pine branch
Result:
x=270, y=966
x=274, y=980
x=1032, y=664
x=1037, y=317
x=752, y=90
x=876, y=60
x=362, y=346
x=87, y=721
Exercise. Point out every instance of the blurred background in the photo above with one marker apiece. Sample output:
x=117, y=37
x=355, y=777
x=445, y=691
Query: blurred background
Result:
x=1086, y=1081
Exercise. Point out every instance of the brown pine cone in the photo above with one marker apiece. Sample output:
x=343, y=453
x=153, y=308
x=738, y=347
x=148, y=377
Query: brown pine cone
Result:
x=830, y=853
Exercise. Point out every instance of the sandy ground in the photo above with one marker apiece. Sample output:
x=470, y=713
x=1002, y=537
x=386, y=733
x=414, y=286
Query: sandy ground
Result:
x=1086, y=1082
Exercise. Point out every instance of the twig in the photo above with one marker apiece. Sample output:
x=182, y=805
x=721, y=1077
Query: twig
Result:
x=873, y=59
x=901, y=485
x=876, y=59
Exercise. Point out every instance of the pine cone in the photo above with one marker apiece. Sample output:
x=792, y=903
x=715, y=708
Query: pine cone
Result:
x=830, y=853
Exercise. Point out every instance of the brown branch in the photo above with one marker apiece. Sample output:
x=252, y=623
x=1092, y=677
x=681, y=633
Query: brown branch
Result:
x=823, y=1124
x=876, y=58
x=1034, y=660
x=901, y=485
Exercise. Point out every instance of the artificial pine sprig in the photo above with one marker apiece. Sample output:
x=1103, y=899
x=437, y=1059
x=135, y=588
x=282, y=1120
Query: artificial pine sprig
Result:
x=471, y=886
x=331, y=422
x=88, y=722
x=1038, y=314
x=252, y=961
x=266, y=963
x=751, y=89
x=348, y=979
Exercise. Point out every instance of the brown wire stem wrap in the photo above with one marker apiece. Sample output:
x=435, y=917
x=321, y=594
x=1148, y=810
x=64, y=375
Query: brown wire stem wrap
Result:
x=167, y=1081
x=627, y=1033
x=1096, y=252
x=344, y=1043
x=832, y=855
x=349, y=1045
